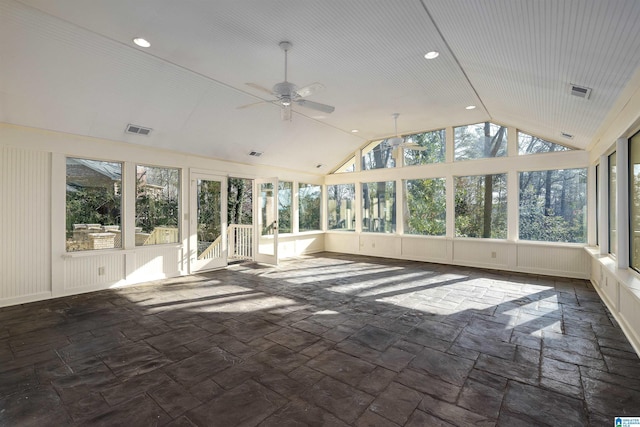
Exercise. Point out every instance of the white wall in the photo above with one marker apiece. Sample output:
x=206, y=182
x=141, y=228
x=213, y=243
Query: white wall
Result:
x=34, y=264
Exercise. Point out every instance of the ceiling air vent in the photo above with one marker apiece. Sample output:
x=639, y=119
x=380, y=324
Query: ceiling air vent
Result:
x=580, y=91
x=566, y=135
x=138, y=130
x=255, y=153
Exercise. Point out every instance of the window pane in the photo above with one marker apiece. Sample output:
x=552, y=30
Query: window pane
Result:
x=553, y=205
x=425, y=211
x=432, y=148
x=598, y=201
x=94, y=201
x=634, y=158
x=157, y=202
x=309, y=198
x=348, y=166
x=481, y=206
x=379, y=207
x=284, y=206
x=529, y=144
x=613, y=233
x=378, y=155
x=341, y=200
x=240, y=201
x=480, y=141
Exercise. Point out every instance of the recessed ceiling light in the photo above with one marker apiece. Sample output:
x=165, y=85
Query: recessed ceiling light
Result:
x=470, y=107
x=141, y=42
x=431, y=55
x=354, y=131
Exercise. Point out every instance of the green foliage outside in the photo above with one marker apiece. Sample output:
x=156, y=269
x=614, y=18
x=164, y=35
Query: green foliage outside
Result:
x=309, y=199
x=379, y=207
x=240, y=201
x=92, y=205
x=475, y=215
x=341, y=200
x=434, y=144
x=553, y=205
x=285, y=190
x=209, y=213
x=157, y=198
x=425, y=210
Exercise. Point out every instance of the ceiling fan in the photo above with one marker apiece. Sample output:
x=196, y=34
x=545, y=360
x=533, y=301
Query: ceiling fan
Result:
x=399, y=142
x=288, y=93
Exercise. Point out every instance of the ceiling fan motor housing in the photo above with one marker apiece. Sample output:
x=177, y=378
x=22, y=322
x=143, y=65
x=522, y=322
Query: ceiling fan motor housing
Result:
x=285, y=89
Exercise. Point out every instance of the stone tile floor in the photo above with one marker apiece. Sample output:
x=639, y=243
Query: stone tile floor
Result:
x=324, y=340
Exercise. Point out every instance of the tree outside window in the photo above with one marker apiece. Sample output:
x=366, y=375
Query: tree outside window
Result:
x=634, y=202
x=285, y=193
x=553, y=205
x=309, y=199
x=425, y=207
x=613, y=206
x=529, y=144
x=479, y=141
x=379, y=207
x=157, y=205
x=93, y=205
x=481, y=206
x=432, y=148
x=340, y=207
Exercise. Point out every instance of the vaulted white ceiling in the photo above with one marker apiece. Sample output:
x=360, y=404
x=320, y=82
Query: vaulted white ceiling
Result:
x=71, y=66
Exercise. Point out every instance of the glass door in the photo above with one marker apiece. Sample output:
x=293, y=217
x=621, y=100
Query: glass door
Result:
x=266, y=230
x=208, y=236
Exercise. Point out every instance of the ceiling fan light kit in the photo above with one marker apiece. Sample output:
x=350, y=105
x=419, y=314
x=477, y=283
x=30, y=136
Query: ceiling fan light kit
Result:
x=287, y=93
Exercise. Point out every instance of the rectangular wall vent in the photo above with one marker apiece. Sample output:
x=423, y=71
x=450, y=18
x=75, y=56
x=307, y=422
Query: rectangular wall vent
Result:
x=580, y=91
x=566, y=135
x=138, y=130
x=255, y=153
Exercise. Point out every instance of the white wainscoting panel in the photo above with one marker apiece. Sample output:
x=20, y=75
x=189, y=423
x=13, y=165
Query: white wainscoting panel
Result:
x=94, y=271
x=382, y=245
x=424, y=249
x=25, y=225
x=343, y=242
x=153, y=263
x=630, y=313
x=482, y=253
x=571, y=261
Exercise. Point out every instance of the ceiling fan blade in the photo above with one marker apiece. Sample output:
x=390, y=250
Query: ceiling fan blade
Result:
x=285, y=112
x=309, y=89
x=253, y=104
x=260, y=88
x=315, y=105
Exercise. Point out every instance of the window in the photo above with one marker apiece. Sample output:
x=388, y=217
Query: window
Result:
x=309, y=199
x=340, y=203
x=157, y=205
x=481, y=206
x=348, y=166
x=634, y=203
x=432, y=148
x=378, y=155
x=94, y=200
x=613, y=234
x=553, y=205
x=425, y=211
x=529, y=144
x=284, y=206
x=598, y=201
x=479, y=141
x=379, y=207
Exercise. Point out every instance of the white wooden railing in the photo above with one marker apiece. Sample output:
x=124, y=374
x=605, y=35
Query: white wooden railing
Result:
x=239, y=240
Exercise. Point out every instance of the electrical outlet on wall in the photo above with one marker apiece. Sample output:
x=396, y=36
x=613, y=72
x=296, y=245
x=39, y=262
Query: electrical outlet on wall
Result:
x=493, y=254
x=100, y=271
